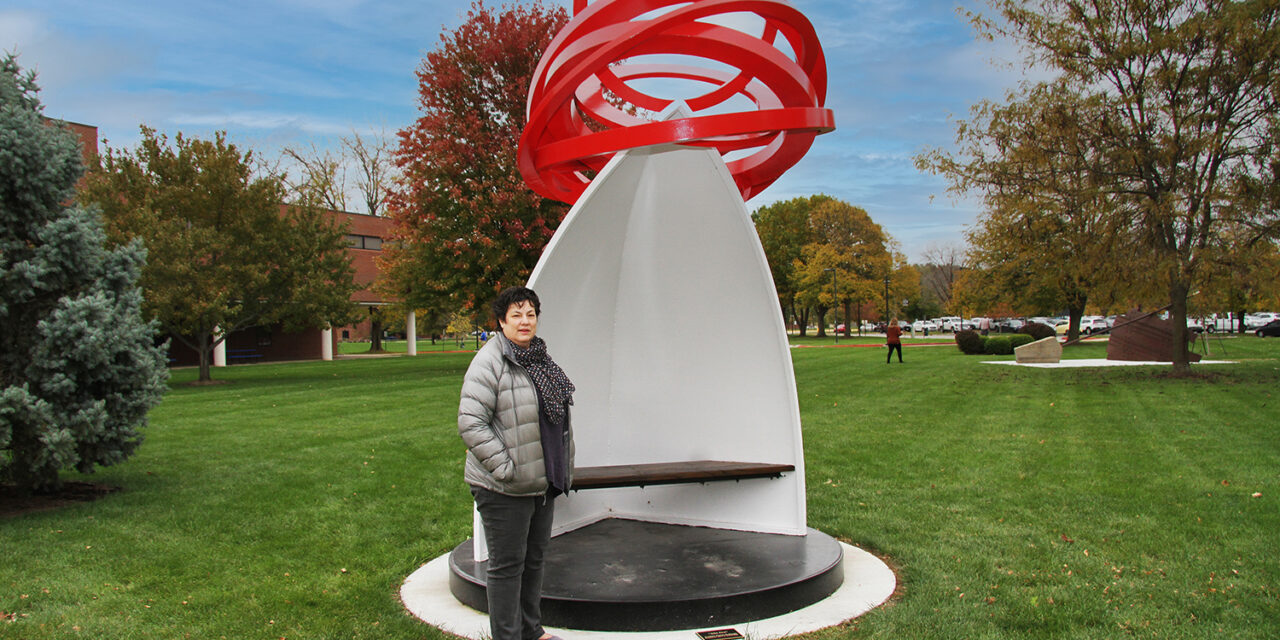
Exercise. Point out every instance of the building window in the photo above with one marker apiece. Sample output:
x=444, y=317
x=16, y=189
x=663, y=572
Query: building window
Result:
x=372, y=243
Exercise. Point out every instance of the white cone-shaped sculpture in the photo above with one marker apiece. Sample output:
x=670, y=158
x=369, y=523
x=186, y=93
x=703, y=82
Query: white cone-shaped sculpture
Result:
x=658, y=302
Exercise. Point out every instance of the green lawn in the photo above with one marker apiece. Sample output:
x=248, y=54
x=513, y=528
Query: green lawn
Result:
x=1013, y=503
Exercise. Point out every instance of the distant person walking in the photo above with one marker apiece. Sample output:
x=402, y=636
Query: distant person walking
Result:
x=893, y=336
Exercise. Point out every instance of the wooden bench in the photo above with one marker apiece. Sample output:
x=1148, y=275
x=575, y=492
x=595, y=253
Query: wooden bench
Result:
x=641, y=475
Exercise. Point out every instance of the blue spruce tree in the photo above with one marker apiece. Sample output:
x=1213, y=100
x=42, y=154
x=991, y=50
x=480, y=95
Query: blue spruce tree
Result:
x=79, y=367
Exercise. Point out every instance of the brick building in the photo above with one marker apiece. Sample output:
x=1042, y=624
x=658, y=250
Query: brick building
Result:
x=365, y=235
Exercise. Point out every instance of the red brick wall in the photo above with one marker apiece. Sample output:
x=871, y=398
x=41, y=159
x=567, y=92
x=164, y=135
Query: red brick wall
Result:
x=88, y=142
x=365, y=263
x=363, y=260
x=256, y=344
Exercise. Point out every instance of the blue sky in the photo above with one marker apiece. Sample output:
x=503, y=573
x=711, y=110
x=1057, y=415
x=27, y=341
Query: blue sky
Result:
x=299, y=72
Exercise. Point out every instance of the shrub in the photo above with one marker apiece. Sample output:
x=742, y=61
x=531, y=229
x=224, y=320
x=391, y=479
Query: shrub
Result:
x=1018, y=339
x=1004, y=345
x=1038, y=331
x=999, y=345
x=970, y=342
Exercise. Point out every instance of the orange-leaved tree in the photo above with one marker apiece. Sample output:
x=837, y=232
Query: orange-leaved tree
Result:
x=466, y=225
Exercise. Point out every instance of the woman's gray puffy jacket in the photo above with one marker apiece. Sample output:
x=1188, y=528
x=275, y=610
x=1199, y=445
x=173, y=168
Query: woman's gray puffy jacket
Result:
x=498, y=421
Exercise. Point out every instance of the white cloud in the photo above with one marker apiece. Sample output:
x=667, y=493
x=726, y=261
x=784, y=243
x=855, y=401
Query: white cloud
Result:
x=18, y=26
x=260, y=120
x=748, y=23
x=63, y=60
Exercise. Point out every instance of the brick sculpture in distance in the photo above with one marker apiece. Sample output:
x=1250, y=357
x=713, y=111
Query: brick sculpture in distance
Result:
x=1143, y=338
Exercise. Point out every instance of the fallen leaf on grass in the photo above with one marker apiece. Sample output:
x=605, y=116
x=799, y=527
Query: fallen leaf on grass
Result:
x=1065, y=538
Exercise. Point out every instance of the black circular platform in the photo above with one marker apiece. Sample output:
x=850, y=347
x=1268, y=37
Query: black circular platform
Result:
x=627, y=575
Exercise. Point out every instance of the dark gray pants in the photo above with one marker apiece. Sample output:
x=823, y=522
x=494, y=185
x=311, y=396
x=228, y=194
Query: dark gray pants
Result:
x=516, y=530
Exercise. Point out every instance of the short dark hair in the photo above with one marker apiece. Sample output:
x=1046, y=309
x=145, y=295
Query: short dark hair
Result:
x=512, y=296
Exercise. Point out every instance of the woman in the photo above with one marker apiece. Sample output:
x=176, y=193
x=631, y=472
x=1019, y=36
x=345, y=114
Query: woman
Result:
x=893, y=336
x=514, y=419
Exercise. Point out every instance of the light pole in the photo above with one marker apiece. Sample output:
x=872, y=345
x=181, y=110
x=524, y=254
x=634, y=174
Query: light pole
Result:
x=886, y=301
x=835, y=302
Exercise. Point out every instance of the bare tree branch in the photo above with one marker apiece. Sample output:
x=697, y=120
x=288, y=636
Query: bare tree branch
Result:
x=373, y=167
x=322, y=177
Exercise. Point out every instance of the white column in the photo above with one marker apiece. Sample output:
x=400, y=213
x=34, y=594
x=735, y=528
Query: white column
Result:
x=219, y=350
x=411, y=332
x=326, y=344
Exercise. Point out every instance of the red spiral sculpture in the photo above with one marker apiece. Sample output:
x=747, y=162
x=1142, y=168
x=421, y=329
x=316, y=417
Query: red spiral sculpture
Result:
x=582, y=90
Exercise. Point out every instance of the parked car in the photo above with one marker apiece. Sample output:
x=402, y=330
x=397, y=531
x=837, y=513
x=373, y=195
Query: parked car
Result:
x=922, y=326
x=1270, y=329
x=951, y=323
x=1225, y=323
x=1007, y=325
x=1094, y=325
x=1193, y=325
x=1259, y=319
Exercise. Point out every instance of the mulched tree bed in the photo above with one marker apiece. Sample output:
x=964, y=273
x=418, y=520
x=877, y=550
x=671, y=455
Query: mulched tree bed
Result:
x=15, y=503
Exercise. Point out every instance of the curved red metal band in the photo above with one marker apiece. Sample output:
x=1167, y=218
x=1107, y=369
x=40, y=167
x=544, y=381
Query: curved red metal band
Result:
x=584, y=98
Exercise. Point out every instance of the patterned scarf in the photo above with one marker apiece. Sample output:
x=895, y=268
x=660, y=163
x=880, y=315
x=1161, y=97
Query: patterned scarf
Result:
x=554, y=388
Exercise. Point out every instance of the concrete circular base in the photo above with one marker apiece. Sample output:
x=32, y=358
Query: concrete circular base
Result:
x=868, y=582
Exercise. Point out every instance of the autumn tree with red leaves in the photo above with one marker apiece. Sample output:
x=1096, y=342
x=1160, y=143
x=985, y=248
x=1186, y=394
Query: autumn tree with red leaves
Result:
x=466, y=225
